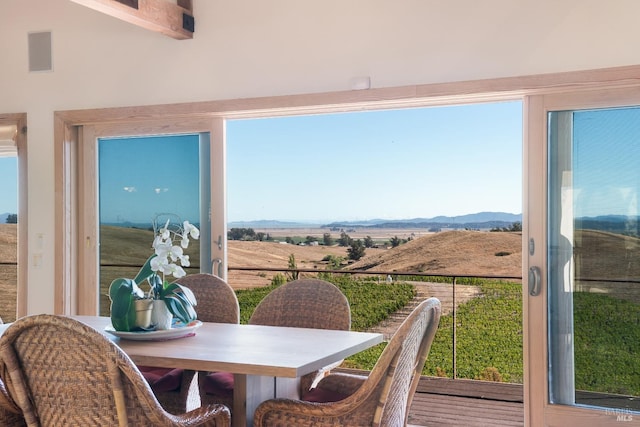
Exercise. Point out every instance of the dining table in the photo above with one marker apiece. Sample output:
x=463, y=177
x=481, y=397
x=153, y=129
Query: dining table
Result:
x=267, y=361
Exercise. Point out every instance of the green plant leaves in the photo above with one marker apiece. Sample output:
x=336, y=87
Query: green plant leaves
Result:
x=122, y=293
x=180, y=301
x=145, y=271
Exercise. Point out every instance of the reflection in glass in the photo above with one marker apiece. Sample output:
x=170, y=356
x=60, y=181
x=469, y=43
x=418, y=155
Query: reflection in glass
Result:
x=594, y=258
x=142, y=181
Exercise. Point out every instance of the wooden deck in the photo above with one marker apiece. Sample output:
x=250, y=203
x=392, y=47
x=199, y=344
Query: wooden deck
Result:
x=468, y=403
x=430, y=410
x=463, y=403
x=451, y=403
x=443, y=402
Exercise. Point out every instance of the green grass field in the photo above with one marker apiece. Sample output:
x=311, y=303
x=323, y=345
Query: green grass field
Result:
x=489, y=334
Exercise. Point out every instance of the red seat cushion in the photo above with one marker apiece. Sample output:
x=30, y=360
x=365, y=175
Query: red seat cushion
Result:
x=219, y=384
x=321, y=395
x=162, y=379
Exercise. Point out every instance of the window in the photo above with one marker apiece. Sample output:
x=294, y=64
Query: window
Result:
x=13, y=202
x=8, y=233
x=144, y=182
x=80, y=288
x=539, y=93
x=291, y=178
x=593, y=247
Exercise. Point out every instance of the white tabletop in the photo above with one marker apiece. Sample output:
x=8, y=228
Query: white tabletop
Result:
x=253, y=353
x=246, y=349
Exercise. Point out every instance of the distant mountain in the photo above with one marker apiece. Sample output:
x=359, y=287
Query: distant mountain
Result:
x=477, y=220
x=267, y=223
x=481, y=220
x=619, y=224
x=479, y=217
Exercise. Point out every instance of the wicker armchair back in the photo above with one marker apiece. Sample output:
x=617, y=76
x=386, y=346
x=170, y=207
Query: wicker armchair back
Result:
x=61, y=372
x=217, y=302
x=302, y=303
x=10, y=414
x=382, y=399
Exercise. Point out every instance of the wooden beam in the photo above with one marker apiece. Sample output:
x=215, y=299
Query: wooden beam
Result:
x=173, y=20
x=186, y=4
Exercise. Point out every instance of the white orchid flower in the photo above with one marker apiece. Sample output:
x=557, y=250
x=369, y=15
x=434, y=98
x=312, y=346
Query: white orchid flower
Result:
x=158, y=263
x=191, y=230
x=184, y=261
x=167, y=269
x=165, y=232
x=168, y=254
x=176, y=271
x=175, y=253
x=162, y=248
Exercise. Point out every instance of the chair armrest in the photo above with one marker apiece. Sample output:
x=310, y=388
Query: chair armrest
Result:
x=340, y=383
x=203, y=416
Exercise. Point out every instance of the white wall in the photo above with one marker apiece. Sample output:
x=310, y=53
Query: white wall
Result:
x=251, y=48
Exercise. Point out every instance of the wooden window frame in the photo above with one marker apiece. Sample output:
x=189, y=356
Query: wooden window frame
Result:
x=70, y=297
x=20, y=121
x=68, y=126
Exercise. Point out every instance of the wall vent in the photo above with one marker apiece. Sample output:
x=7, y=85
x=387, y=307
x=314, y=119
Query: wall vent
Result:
x=40, y=51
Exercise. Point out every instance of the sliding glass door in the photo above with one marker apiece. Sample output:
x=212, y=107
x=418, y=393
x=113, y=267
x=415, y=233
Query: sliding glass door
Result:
x=131, y=177
x=143, y=183
x=590, y=260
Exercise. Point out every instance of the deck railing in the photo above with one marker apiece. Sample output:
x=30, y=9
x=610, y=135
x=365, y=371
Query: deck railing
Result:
x=453, y=277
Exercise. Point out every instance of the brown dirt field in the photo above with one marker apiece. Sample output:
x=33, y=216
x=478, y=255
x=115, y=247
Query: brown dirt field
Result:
x=8, y=273
x=274, y=255
x=8, y=242
x=356, y=233
x=459, y=252
x=449, y=252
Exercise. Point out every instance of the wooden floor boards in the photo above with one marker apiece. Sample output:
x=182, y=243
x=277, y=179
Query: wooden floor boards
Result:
x=430, y=410
x=466, y=403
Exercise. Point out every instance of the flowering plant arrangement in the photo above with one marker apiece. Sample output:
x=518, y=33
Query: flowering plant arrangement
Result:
x=167, y=260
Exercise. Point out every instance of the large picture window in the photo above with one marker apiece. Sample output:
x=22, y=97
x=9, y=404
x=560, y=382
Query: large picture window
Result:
x=540, y=94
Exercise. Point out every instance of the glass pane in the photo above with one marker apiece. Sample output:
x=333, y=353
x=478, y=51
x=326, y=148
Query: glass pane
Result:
x=292, y=179
x=143, y=181
x=8, y=237
x=594, y=258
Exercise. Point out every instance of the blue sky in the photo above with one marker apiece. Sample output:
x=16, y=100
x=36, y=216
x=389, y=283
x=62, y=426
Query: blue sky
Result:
x=396, y=164
x=9, y=189
x=607, y=150
x=144, y=177
x=399, y=164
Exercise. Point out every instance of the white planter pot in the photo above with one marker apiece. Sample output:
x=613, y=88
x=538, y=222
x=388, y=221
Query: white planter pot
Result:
x=160, y=315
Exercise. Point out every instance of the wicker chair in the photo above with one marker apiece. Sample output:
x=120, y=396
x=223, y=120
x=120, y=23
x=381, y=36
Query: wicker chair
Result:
x=10, y=414
x=382, y=399
x=217, y=303
x=61, y=372
x=303, y=303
